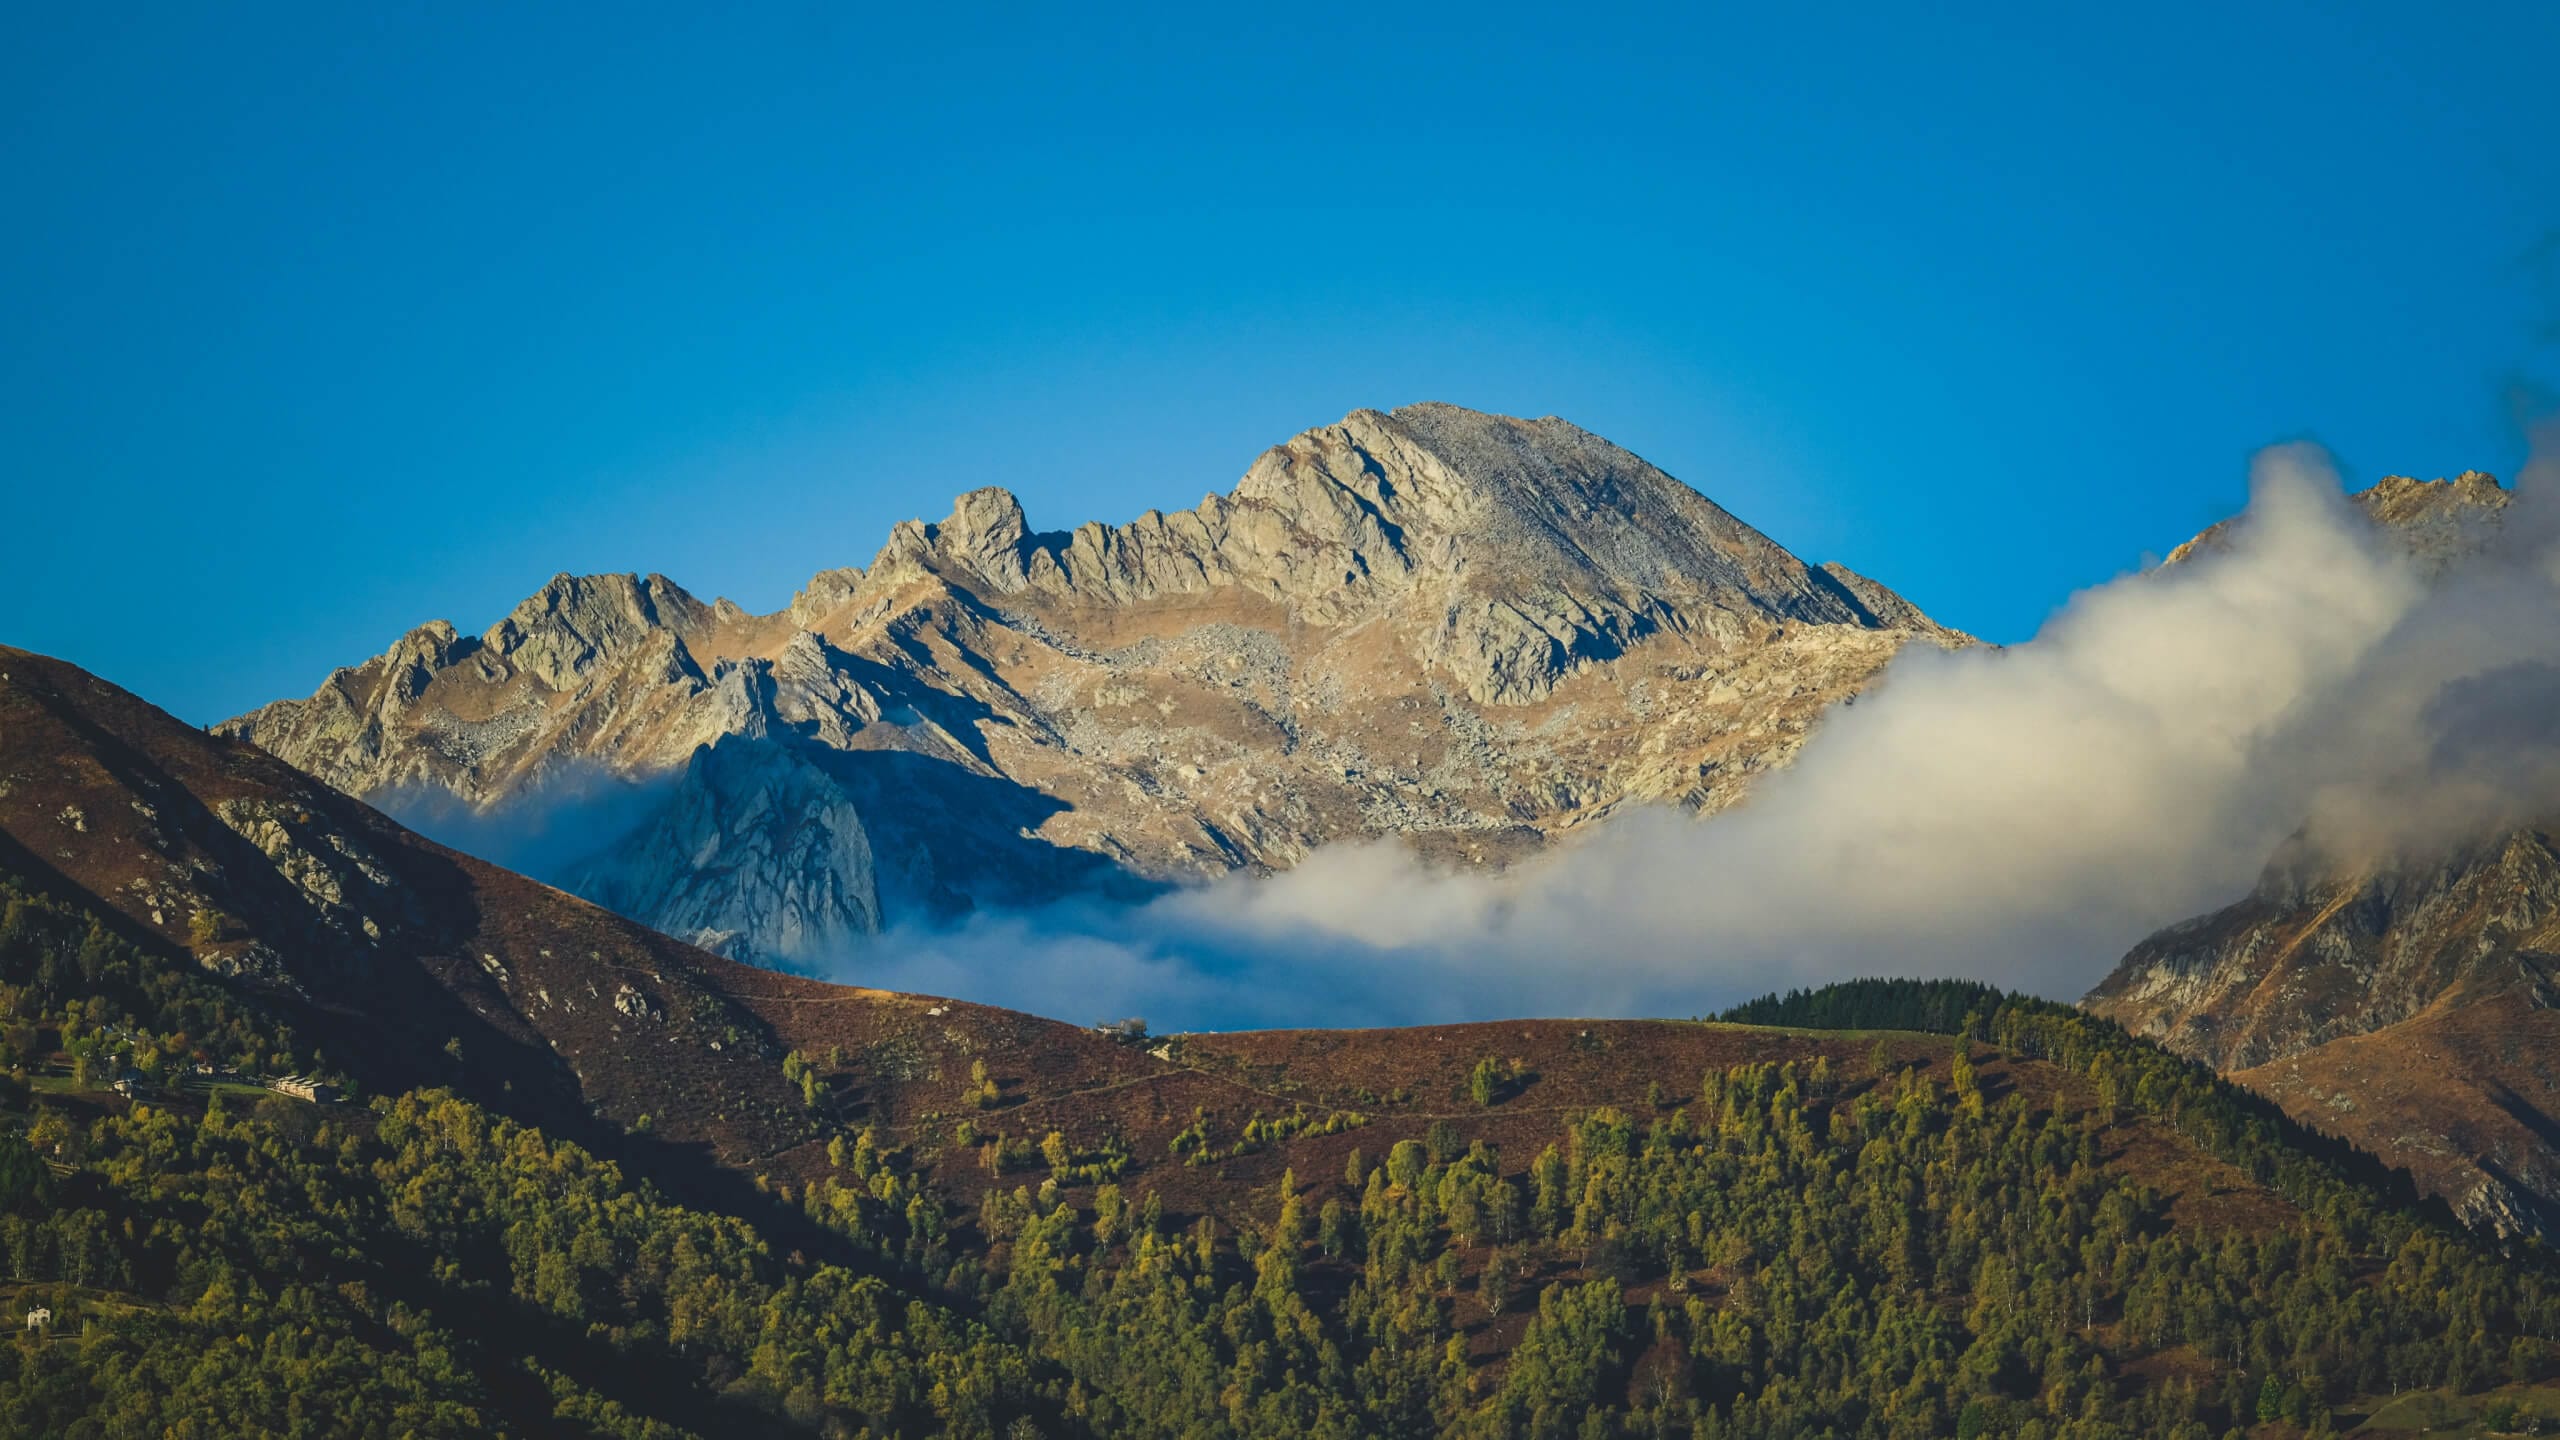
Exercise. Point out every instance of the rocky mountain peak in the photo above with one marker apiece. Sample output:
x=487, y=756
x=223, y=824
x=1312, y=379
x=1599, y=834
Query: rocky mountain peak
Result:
x=1521, y=507
x=577, y=622
x=1515, y=550
x=2437, y=521
x=1467, y=629
x=986, y=539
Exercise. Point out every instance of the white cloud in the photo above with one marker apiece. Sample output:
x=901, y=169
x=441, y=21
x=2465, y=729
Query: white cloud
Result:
x=545, y=830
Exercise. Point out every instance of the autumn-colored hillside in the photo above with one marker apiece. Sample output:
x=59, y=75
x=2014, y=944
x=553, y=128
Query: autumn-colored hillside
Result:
x=599, y=1182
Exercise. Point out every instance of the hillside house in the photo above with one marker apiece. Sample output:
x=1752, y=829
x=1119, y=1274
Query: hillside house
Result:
x=303, y=1087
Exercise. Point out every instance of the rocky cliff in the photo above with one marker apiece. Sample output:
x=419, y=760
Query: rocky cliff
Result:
x=2314, y=953
x=2405, y=1006
x=1472, y=631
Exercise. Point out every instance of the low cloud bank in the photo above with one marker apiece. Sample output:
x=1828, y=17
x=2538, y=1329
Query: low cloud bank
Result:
x=546, y=830
x=2021, y=816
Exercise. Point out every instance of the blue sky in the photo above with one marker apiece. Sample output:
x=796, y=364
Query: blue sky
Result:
x=324, y=322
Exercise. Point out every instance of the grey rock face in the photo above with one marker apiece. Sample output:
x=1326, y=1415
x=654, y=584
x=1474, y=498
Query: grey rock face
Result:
x=758, y=854
x=1471, y=631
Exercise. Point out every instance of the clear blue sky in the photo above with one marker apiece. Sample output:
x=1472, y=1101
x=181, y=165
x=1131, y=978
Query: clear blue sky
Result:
x=324, y=322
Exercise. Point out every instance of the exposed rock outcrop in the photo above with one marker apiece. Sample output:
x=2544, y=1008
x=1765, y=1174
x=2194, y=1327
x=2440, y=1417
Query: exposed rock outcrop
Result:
x=759, y=852
x=2440, y=522
x=2311, y=956
x=344, y=883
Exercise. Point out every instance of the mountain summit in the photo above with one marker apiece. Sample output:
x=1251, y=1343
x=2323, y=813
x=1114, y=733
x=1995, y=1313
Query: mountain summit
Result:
x=1540, y=546
x=1465, y=629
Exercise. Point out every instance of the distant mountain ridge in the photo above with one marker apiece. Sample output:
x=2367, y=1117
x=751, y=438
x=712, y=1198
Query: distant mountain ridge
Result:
x=1470, y=631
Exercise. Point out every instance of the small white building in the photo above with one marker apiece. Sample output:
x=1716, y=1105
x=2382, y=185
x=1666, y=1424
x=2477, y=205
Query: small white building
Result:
x=39, y=1319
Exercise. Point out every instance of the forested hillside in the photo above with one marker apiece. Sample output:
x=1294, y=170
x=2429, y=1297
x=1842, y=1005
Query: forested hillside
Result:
x=2037, y=1228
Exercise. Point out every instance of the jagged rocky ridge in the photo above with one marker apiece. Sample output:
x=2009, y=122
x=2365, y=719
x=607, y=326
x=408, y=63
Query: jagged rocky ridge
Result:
x=2403, y=1002
x=1471, y=631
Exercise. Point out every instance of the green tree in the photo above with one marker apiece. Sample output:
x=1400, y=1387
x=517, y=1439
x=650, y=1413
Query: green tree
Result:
x=2270, y=1400
x=24, y=1181
x=1498, y=1281
x=208, y=926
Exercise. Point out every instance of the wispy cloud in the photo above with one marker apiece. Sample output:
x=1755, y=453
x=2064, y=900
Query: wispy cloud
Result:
x=544, y=830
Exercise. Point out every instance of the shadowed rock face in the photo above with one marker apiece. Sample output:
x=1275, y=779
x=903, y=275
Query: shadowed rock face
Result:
x=1468, y=630
x=756, y=841
x=2406, y=1003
